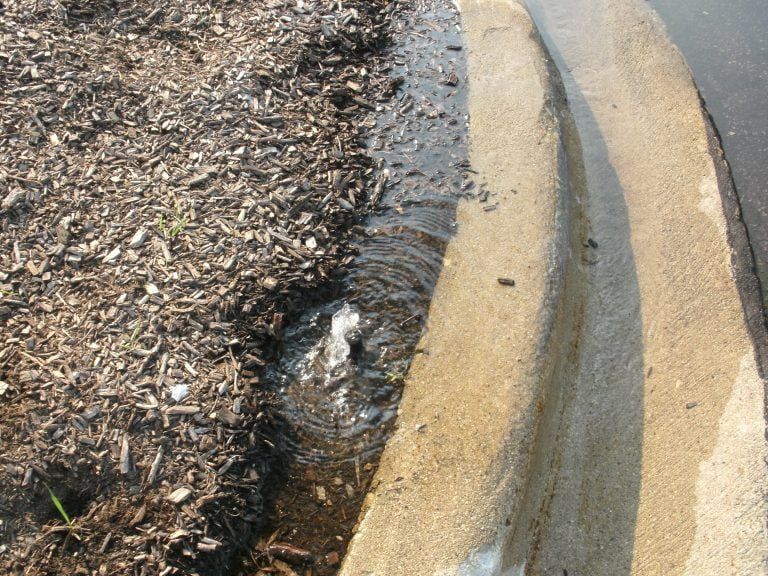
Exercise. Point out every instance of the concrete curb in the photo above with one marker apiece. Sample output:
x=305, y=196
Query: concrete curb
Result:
x=446, y=490
x=606, y=416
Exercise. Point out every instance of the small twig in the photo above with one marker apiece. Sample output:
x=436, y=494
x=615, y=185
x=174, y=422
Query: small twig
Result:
x=155, y=468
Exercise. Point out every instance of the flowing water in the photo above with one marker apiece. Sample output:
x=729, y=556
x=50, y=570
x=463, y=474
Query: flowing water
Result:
x=340, y=372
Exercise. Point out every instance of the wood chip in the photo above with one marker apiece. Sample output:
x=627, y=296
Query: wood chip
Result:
x=184, y=410
x=166, y=172
x=180, y=495
x=125, y=456
x=155, y=468
x=228, y=417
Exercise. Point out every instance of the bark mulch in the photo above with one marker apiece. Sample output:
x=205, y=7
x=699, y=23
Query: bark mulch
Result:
x=174, y=176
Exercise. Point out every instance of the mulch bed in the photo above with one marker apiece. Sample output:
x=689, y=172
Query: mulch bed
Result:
x=175, y=177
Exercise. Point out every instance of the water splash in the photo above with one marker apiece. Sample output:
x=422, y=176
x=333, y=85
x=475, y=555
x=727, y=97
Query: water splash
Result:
x=337, y=348
x=340, y=409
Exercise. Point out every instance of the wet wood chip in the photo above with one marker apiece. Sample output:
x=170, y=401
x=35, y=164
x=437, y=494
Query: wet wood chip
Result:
x=331, y=559
x=290, y=553
x=452, y=79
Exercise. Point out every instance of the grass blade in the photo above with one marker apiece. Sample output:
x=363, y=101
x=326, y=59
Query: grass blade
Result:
x=59, y=506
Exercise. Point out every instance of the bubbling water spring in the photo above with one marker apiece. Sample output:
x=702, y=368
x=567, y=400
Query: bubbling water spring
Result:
x=341, y=366
x=340, y=407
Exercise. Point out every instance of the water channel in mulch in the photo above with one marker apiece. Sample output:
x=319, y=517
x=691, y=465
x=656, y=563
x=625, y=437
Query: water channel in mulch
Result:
x=340, y=369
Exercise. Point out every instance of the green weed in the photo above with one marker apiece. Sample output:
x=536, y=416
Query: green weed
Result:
x=60, y=507
x=134, y=337
x=171, y=230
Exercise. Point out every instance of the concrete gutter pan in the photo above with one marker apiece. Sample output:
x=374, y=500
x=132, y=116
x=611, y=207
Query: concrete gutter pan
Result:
x=606, y=414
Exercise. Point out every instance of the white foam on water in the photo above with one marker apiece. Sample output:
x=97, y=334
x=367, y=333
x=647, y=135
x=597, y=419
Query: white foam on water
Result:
x=330, y=351
x=337, y=348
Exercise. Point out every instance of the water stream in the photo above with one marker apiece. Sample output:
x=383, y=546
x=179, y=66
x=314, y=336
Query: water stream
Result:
x=339, y=376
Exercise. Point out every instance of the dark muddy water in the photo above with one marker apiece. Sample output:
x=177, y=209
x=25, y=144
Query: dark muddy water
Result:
x=725, y=42
x=340, y=373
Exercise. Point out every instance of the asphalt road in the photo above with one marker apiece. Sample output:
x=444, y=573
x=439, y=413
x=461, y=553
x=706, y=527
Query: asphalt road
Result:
x=726, y=46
